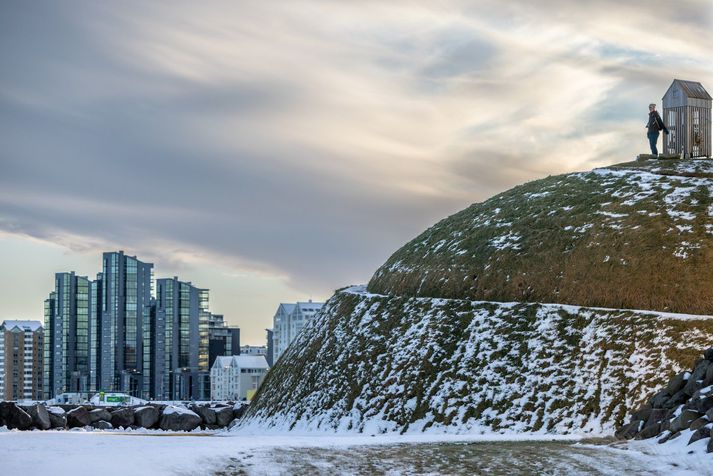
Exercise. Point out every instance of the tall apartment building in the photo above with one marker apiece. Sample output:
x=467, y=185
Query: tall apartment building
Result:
x=222, y=340
x=237, y=377
x=21, y=347
x=288, y=321
x=69, y=358
x=182, y=320
x=125, y=312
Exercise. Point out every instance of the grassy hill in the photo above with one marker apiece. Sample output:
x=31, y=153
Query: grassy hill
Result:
x=451, y=333
x=374, y=363
x=634, y=236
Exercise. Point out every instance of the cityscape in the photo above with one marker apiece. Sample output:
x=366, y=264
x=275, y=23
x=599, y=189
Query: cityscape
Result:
x=127, y=332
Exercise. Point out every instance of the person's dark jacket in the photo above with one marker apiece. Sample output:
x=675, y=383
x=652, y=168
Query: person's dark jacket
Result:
x=655, y=123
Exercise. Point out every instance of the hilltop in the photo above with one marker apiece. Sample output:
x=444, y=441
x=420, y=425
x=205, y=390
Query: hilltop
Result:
x=519, y=314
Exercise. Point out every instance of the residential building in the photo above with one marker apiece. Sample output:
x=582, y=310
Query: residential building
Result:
x=126, y=307
x=288, y=321
x=223, y=340
x=68, y=336
x=21, y=353
x=270, y=347
x=182, y=319
x=253, y=350
x=237, y=377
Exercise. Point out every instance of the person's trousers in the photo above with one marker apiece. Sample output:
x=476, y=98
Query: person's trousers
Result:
x=653, y=139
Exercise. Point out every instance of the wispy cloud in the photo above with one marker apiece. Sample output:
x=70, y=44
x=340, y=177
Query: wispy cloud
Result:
x=311, y=138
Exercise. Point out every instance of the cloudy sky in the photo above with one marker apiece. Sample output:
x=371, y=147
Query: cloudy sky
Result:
x=274, y=151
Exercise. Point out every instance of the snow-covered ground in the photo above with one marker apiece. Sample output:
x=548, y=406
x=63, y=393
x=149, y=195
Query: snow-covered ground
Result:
x=78, y=453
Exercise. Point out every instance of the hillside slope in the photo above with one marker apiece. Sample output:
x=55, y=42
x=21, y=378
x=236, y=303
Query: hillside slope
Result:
x=378, y=363
x=635, y=236
x=450, y=333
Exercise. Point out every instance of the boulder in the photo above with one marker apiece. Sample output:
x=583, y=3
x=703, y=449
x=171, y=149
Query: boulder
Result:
x=223, y=416
x=122, y=417
x=677, y=399
x=102, y=425
x=656, y=415
x=708, y=354
x=695, y=381
x=99, y=414
x=206, y=413
x=146, y=417
x=179, y=419
x=699, y=434
x=239, y=410
x=703, y=404
x=15, y=417
x=708, y=378
x=58, y=420
x=660, y=399
x=702, y=421
x=626, y=432
x=669, y=436
x=40, y=416
x=677, y=383
x=78, y=417
x=649, y=432
x=684, y=420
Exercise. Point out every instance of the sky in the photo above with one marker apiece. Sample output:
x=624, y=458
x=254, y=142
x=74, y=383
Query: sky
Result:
x=276, y=151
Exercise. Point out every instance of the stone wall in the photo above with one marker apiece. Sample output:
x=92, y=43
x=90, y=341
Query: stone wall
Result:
x=150, y=416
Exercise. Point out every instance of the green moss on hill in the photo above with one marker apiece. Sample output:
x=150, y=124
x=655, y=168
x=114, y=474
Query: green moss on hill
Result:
x=628, y=236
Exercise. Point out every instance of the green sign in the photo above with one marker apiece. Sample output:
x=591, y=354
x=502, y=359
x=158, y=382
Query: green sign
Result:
x=115, y=399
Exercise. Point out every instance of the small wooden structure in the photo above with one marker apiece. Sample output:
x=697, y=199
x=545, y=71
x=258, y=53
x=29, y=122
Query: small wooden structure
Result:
x=687, y=115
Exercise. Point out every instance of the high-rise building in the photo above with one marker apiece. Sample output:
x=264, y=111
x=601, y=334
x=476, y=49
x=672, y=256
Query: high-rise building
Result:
x=270, y=347
x=126, y=306
x=182, y=320
x=288, y=321
x=21, y=349
x=223, y=340
x=68, y=336
x=237, y=377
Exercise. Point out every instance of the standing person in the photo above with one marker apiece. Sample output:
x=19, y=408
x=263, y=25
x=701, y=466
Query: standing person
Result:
x=654, y=125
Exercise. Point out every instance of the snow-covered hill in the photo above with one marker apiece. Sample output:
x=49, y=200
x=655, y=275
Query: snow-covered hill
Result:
x=451, y=333
x=377, y=363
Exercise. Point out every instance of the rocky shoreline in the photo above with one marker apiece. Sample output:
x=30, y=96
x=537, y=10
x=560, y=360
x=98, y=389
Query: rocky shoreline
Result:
x=150, y=416
x=684, y=407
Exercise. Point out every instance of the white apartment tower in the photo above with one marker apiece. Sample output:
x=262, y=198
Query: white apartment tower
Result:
x=288, y=321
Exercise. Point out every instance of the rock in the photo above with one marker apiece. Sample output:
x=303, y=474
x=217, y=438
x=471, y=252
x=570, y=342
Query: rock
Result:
x=709, y=414
x=669, y=436
x=102, y=425
x=627, y=431
x=676, y=383
x=658, y=400
x=708, y=354
x=58, y=420
x=679, y=398
x=78, y=417
x=122, y=417
x=179, y=419
x=710, y=446
x=146, y=417
x=649, y=432
x=708, y=379
x=206, y=413
x=702, y=421
x=223, y=416
x=699, y=434
x=40, y=416
x=239, y=410
x=684, y=420
x=99, y=414
x=704, y=404
x=656, y=415
x=15, y=417
x=695, y=380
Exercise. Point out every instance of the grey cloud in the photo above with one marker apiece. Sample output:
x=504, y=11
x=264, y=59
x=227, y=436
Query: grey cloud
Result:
x=277, y=145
